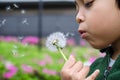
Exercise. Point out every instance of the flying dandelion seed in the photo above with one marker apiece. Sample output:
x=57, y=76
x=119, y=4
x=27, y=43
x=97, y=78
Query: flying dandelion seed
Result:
x=15, y=52
x=23, y=11
x=15, y=46
x=25, y=21
x=4, y=21
x=15, y=5
x=8, y=8
x=22, y=55
x=69, y=34
x=20, y=38
x=56, y=41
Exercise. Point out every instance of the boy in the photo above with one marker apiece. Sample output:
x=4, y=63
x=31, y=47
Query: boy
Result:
x=99, y=24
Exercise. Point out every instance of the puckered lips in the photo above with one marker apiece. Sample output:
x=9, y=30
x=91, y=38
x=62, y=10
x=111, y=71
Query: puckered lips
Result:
x=82, y=33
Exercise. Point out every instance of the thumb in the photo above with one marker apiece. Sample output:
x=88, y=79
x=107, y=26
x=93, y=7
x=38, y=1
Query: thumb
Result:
x=93, y=75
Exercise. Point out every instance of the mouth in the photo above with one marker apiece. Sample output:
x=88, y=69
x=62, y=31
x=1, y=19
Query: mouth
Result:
x=83, y=34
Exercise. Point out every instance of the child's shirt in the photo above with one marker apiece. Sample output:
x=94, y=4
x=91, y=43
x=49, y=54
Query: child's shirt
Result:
x=111, y=63
x=109, y=69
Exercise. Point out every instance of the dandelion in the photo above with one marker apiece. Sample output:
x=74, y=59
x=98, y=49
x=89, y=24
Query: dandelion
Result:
x=56, y=41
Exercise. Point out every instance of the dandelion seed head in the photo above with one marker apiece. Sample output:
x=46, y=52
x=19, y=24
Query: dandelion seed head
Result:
x=56, y=37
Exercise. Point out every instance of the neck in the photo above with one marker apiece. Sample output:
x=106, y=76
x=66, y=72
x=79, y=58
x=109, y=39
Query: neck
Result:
x=116, y=47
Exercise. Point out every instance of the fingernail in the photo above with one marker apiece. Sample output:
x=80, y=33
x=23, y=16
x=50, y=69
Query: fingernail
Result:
x=71, y=57
x=97, y=70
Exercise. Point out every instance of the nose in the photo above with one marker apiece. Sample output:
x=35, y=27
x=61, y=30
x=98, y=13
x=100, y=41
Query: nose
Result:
x=80, y=16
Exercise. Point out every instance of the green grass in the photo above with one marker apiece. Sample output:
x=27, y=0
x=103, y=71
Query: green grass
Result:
x=28, y=55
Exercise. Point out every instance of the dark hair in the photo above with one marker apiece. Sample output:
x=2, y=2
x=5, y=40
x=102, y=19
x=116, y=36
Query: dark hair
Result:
x=118, y=3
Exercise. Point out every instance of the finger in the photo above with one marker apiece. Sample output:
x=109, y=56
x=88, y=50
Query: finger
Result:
x=70, y=62
x=84, y=71
x=93, y=75
x=77, y=66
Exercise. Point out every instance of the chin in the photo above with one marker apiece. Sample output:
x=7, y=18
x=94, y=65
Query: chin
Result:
x=98, y=46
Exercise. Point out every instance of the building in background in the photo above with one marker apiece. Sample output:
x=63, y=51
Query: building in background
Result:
x=37, y=17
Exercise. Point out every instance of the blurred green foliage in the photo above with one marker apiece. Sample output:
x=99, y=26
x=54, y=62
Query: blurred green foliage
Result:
x=19, y=54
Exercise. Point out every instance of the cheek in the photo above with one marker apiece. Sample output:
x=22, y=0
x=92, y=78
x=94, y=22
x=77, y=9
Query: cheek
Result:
x=100, y=24
x=101, y=18
x=103, y=25
x=102, y=29
x=96, y=25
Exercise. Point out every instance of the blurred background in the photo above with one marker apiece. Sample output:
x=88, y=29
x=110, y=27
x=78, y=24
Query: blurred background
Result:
x=37, y=18
x=24, y=27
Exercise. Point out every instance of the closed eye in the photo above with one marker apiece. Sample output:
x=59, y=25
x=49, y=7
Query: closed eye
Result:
x=88, y=4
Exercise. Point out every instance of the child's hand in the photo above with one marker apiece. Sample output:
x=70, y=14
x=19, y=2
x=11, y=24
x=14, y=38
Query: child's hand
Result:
x=75, y=70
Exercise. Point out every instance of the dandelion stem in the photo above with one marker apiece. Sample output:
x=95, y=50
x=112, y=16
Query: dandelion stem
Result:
x=59, y=49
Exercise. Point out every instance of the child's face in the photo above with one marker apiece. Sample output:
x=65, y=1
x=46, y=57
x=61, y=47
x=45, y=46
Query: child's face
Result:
x=99, y=21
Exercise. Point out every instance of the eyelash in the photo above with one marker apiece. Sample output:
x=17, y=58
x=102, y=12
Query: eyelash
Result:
x=88, y=4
